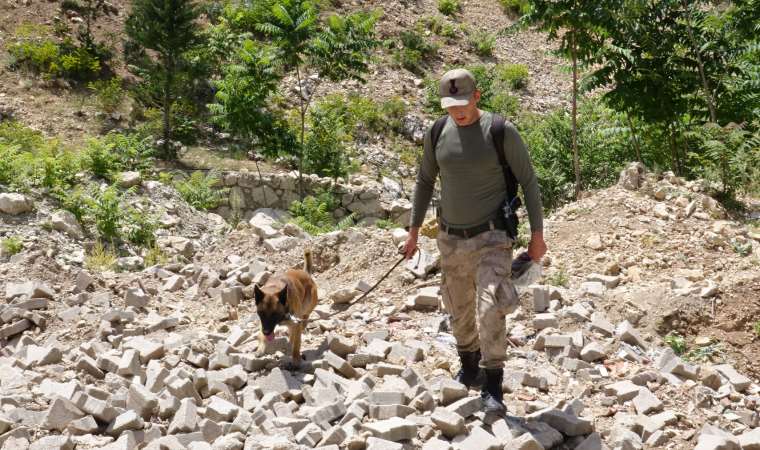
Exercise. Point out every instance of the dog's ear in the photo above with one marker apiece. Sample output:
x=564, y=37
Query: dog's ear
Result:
x=258, y=294
x=283, y=296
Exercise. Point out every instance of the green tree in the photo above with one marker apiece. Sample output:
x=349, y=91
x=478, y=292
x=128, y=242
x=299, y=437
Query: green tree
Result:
x=337, y=50
x=168, y=28
x=579, y=27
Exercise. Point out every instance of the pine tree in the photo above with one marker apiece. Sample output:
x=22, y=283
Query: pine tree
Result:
x=168, y=28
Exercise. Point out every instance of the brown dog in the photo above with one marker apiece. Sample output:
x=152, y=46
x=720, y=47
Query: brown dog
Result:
x=287, y=299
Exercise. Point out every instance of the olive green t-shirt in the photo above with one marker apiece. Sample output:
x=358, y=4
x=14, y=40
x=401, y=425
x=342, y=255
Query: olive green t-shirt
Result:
x=472, y=181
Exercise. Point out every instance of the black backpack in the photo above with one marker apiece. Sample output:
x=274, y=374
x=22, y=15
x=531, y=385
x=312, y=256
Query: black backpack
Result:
x=497, y=134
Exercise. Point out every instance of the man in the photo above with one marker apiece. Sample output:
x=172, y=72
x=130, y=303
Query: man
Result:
x=476, y=251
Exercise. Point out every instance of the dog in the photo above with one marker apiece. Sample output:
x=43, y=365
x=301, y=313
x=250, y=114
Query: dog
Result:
x=287, y=299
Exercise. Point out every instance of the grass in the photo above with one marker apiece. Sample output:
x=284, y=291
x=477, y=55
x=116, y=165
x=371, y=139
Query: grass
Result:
x=12, y=245
x=387, y=224
x=756, y=328
x=155, y=256
x=482, y=43
x=676, y=342
x=559, y=277
x=100, y=258
x=449, y=7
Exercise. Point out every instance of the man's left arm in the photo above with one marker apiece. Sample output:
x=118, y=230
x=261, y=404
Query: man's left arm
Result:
x=519, y=161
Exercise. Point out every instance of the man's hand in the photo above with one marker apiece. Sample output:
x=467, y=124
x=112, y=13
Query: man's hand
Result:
x=410, y=246
x=537, y=246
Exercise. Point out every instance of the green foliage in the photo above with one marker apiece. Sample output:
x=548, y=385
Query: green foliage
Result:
x=415, y=51
x=168, y=28
x=314, y=214
x=756, y=328
x=482, y=42
x=154, y=255
x=51, y=59
x=386, y=224
x=199, y=190
x=449, y=7
x=439, y=26
x=100, y=258
x=108, y=93
x=325, y=150
x=604, y=144
x=117, y=152
x=12, y=245
x=515, y=7
x=105, y=207
x=676, y=342
x=514, y=75
x=139, y=228
x=558, y=277
x=75, y=200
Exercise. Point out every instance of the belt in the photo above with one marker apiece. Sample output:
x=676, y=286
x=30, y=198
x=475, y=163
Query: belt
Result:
x=493, y=224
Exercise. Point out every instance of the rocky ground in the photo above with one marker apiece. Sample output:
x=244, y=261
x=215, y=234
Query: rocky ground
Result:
x=167, y=357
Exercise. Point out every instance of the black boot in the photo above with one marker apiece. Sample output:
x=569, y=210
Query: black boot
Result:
x=492, y=394
x=470, y=373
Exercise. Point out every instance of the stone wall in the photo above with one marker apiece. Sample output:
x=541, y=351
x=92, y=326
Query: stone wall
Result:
x=367, y=198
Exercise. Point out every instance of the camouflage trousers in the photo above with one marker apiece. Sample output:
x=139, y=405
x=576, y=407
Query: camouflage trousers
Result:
x=478, y=293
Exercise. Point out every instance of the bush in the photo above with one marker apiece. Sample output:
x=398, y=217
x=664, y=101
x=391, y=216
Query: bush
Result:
x=100, y=258
x=325, y=152
x=449, y=7
x=109, y=94
x=118, y=152
x=415, y=51
x=107, y=213
x=314, y=214
x=676, y=342
x=439, y=26
x=198, y=190
x=139, y=228
x=482, y=43
x=52, y=59
x=12, y=245
x=515, y=7
x=514, y=75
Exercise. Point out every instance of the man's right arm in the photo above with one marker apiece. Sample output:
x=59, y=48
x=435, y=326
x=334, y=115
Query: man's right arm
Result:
x=423, y=192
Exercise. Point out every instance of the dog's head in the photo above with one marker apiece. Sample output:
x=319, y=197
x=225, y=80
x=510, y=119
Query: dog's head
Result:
x=272, y=308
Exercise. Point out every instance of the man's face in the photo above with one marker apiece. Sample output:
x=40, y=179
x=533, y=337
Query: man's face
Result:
x=467, y=114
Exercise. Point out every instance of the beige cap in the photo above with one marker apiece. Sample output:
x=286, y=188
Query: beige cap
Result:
x=456, y=88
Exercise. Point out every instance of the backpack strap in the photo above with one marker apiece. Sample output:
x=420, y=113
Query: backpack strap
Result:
x=436, y=130
x=498, y=125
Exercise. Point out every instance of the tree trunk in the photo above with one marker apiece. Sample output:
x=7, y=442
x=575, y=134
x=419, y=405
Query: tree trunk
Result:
x=635, y=138
x=701, y=65
x=673, y=148
x=167, y=106
x=303, y=133
x=576, y=159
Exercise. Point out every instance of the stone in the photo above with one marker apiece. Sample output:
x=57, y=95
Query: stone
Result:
x=526, y=442
x=545, y=320
x=14, y=204
x=593, y=351
x=142, y=401
x=382, y=412
x=592, y=442
x=173, y=283
x=632, y=177
x=609, y=281
x=60, y=414
x=628, y=334
x=622, y=390
x=374, y=443
x=124, y=422
x=395, y=429
x=340, y=365
x=541, y=296
x=477, y=439
x=340, y=345
x=281, y=244
x=594, y=242
x=128, y=179
x=220, y=410
x=65, y=222
x=343, y=295
x=564, y=422
x=61, y=442
x=713, y=442
x=750, y=440
x=593, y=288
x=450, y=423
x=466, y=406
x=310, y=435
x=452, y=391
x=232, y=296
x=135, y=297
x=42, y=356
x=601, y=325
x=646, y=402
x=30, y=289
x=737, y=380
x=186, y=418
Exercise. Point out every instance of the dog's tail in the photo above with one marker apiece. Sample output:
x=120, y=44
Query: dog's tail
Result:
x=308, y=264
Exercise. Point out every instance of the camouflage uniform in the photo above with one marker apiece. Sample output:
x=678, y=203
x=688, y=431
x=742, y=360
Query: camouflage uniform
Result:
x=476, y=278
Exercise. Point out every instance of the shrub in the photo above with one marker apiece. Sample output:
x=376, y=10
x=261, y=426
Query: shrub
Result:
x=106, y=210
x=314, y=214
x=154, y=255
x=325, y=152
x=108, y=94
x=676, y=342
x=449, y=7
x=13, y=133
x=12, y=245
x=559, y=277
x=756, y=328
x=198, y=190
x=100, y=258
x=439, y=26
x=482, y=43
x=52, y=59
x=514, y=75
x=515, y=7
x=387, y=224
x=117, y=152
x=415, y=50
x=139, y=228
